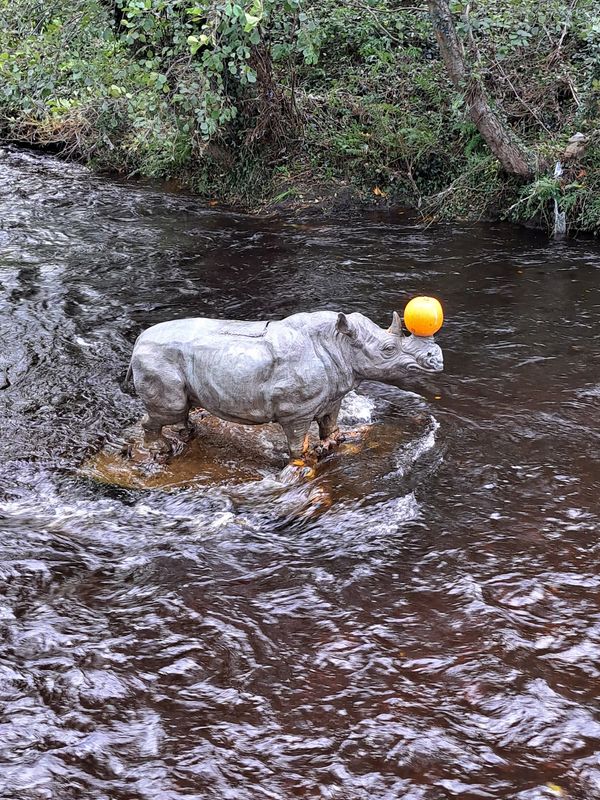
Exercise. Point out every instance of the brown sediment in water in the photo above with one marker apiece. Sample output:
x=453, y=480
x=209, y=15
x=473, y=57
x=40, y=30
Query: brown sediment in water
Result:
x=219, y=453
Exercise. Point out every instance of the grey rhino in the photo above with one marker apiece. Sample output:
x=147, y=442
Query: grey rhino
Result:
x=291, y=371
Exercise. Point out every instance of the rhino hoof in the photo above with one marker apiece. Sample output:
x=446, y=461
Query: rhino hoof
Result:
x=160, y=448
x=186, y=434
x=326, y=446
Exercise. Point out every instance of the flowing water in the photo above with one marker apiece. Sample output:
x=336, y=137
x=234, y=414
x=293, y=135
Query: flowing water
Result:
x=419, y=619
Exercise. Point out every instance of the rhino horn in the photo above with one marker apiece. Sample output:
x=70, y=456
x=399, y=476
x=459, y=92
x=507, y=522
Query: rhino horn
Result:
x=396, y=326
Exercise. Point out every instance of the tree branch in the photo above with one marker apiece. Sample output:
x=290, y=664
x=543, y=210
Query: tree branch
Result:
x=513, y=156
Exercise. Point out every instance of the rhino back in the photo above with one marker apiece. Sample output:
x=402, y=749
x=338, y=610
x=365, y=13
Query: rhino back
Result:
x=250, y=372
x=198, y=329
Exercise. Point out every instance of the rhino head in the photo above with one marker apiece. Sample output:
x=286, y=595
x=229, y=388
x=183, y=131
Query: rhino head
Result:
x=427, y=355
x=387, y=355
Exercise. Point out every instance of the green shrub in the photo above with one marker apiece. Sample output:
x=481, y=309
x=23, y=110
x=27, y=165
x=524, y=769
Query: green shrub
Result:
x=231, y=96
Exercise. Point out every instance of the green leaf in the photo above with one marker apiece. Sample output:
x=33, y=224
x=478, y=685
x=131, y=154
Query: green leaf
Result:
x=251, y=22
x=194, y=44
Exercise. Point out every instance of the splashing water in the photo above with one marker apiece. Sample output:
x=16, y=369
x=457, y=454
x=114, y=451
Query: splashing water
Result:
x=418, y=619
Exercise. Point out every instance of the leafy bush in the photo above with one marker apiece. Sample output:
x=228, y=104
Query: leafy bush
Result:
x=242, y=99
x=144, y=84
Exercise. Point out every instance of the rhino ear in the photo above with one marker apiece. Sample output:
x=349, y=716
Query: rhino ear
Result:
x=343, y=326
x=396, y=326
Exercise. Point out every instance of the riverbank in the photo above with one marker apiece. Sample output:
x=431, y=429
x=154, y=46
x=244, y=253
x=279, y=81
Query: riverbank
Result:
x=281, y=105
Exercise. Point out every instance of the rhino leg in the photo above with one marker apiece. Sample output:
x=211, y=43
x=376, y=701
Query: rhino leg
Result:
x=328, y=427
x=162, y=391
x=296, y=433
x=153, y=438
x=185, y=431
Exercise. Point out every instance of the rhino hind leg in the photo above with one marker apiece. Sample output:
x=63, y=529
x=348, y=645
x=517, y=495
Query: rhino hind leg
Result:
x=185, y=430
x=153, y=437
x=165, y=399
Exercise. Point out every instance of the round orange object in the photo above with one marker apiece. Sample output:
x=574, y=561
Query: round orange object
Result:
x=423, y=316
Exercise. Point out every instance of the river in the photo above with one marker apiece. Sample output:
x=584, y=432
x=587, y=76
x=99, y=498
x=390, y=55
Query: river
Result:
x=418, y=620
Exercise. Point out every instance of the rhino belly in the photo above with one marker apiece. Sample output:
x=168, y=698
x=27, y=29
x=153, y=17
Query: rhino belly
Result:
x=233, y=383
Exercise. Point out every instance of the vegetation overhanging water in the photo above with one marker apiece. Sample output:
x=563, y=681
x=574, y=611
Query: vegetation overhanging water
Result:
x=460, y=109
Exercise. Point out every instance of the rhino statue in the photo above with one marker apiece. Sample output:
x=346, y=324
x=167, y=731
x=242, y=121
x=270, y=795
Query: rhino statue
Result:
x=290, y=371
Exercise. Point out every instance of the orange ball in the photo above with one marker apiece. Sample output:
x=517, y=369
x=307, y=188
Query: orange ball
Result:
x=423, y=316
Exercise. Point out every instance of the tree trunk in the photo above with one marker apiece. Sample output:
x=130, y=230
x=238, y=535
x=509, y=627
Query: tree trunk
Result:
x=116, y=9
x=515, y=158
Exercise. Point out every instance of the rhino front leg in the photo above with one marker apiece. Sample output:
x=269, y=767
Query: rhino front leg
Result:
x=296, y=433
x=328, y=427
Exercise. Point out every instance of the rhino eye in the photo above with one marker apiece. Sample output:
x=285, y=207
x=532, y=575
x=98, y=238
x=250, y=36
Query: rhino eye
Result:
x=389, y=348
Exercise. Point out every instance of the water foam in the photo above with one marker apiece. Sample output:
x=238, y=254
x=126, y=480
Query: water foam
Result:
x=356, y=408
x=589, y=392
x=411, y=452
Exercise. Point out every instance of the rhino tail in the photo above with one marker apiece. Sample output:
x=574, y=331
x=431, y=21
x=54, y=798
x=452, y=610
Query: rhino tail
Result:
x=130, y=367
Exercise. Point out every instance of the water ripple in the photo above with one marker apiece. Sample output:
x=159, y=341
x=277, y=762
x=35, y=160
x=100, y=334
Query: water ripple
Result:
x=419, y=620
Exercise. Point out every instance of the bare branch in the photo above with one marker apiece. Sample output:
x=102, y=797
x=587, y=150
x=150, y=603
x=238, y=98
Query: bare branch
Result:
x=515, y=159
x=524, y=103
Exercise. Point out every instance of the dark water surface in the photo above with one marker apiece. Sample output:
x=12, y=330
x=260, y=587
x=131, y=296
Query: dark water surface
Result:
x=430, y=630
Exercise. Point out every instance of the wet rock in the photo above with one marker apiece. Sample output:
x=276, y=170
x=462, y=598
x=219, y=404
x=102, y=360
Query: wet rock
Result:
x=576, y=146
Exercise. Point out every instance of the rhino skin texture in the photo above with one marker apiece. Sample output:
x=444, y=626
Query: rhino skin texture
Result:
x=291, y=371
